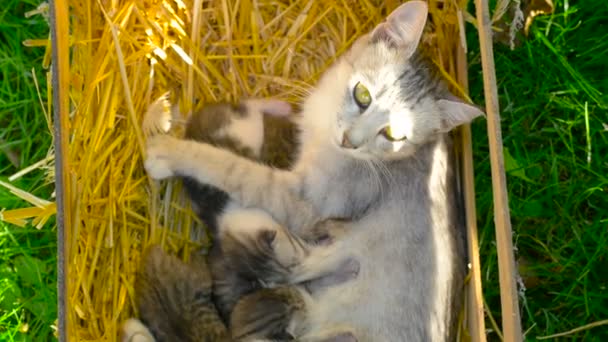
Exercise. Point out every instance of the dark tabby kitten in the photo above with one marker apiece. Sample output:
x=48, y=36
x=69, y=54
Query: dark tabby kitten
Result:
x=174, y=303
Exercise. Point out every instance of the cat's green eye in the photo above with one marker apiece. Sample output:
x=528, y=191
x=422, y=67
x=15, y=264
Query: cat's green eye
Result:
x=362, y=95
x=389, y=134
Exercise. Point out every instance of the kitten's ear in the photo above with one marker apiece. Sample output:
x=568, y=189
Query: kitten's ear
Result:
x=403, y=27
x=271, y=107
x=455, y=112
x=266, y=238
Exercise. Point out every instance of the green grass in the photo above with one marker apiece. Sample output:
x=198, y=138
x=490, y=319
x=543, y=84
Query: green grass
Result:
x=554, y=115
x=28, y=293
x=554, y=109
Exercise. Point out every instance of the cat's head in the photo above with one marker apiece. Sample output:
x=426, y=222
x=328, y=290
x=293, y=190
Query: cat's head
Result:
x=381, y=99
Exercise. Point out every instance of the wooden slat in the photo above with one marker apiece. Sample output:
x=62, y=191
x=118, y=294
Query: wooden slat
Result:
x=511, y=322
x=474, y=305
x=59, y=22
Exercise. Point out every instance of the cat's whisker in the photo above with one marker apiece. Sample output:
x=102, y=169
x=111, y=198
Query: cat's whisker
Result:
x=390, y=181
x=388, y=174
x=378, y=176
x=374, y=175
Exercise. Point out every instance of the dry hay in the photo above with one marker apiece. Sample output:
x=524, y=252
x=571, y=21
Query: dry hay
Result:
x=127, y=53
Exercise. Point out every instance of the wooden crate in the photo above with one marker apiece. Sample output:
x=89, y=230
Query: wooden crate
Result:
x=111, y=58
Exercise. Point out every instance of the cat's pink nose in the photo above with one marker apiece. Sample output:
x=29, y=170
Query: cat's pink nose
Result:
x=346, y=143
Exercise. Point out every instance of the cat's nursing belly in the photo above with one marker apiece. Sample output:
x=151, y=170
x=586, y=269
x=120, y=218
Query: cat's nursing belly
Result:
x=391, y=298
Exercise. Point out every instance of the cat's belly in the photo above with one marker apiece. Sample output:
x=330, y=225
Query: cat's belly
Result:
x=394, y=297
x=374, y=310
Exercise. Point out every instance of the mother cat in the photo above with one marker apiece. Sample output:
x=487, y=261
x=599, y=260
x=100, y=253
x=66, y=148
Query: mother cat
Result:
x=375, y=151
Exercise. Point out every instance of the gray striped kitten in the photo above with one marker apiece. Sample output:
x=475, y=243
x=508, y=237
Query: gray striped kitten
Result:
x=375, y=150
x=253, y=252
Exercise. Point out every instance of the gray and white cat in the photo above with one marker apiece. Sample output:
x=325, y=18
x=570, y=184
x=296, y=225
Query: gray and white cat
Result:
x=374, y=151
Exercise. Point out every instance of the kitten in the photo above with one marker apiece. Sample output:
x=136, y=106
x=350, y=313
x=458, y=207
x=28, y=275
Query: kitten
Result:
x=375, y=151
x=174, y=302
x=257, y=129
x=253, y=252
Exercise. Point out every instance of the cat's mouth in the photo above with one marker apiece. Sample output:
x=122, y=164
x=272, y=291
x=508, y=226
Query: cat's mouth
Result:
x=346, y=143
x=342, y=141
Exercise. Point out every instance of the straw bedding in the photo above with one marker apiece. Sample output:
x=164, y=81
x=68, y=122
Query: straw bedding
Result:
x=127, y=53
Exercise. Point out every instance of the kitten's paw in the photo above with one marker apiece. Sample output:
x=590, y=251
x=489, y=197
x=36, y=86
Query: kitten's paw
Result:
x=133, y=330
x=250, y=318
x=159, y=150
x=344, y=337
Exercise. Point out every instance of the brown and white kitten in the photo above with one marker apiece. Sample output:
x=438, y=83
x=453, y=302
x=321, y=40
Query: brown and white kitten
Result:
x=375, y=150
x=257, y=129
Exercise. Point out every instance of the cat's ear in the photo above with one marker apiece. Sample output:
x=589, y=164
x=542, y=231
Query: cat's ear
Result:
x=404, y=26
x=455, y=112
x=270, y=107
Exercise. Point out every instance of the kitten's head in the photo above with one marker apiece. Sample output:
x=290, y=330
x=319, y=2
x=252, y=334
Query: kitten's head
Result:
x=385, y=97
x=238, y=127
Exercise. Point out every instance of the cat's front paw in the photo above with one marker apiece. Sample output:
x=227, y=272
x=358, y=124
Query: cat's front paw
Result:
x=159, y=152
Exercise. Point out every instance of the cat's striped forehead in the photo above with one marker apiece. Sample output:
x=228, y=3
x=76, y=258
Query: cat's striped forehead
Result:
x=389, y=74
